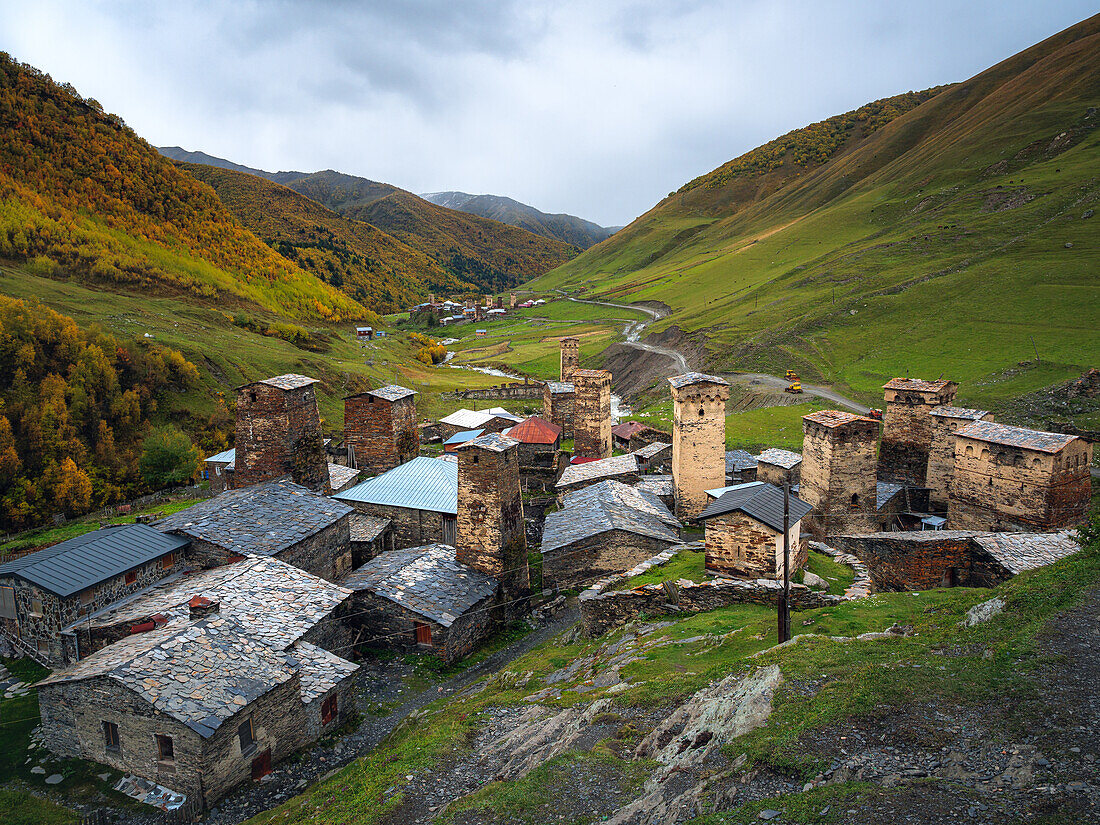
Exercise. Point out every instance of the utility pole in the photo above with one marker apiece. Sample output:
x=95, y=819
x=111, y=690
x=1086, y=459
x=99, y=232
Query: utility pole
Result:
x=784, y=618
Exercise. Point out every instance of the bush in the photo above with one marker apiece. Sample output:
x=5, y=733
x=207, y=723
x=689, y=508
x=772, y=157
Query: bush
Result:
x=168, y=458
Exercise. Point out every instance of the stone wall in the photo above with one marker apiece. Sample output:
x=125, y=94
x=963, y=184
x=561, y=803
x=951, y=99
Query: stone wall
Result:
x=774, y=474
x=386, y=624
x=570, y=357
x=595, y=557
x=907, y=432
x=557, y=408
x=411, y=528
x=40, y=632
x=279, y=433
x=999, y=487
x=592, y=413
x=382, y=433
x=941, y=459
x=914, y=561
x=540, y=466
x=214, y=472
x=345, y=709
x=838, y=475
x=738, y=545
x=698, y=444
x=502, y=392
x=326, y=553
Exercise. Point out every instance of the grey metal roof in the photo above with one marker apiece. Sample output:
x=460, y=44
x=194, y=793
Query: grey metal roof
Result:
x=496, y=442
x=1015, y=436
x=224, y=457
x=390, y=392
x=687, y=378
x=290, y=381
x=650, y=450
x=421, y=484
x=959, y=412
x=95, y=557
x=560, y=387
x=604, y=507
x=884, y=491
x=738, y=460
x=763, y=502
x=262, y=519
x=426, y=580
x=604, y=468
x=779, y=458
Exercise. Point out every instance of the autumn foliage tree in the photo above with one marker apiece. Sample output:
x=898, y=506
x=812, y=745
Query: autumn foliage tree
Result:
x=168, y=457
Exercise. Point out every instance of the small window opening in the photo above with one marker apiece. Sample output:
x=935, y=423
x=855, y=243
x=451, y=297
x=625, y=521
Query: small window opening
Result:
x=246, y=736
x=131, y=577
x=110, y=736
x=166, y=751
x=328, y=709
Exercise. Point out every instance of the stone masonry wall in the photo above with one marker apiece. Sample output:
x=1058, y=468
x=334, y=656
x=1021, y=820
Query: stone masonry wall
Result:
x=279, y=432
x=914, y=561
x=774, y=474
x=743, y=547
x=907, y=433
x=387, y=624
x=326, y=553
x=382, y=433
x=838, y=477
x=411, y=528
x=698, y=444
x=941, y=459
x=592, y=413
x=570, y=357
x=595, y=557
x=557, y=408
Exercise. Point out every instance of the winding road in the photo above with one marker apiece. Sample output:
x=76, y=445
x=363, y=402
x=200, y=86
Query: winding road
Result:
x=680, y=363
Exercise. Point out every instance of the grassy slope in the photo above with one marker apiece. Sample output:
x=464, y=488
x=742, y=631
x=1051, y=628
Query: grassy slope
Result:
x=884, y=259
x=380, y=271
x=991, y=661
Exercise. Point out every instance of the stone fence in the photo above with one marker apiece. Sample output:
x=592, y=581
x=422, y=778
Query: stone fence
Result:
x=603, y=610
x=501, y=392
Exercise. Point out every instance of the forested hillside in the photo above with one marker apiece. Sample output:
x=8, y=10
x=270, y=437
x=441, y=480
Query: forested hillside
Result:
x=946, y=232
x=82, y=195
x=76, y=410
x=374, y=268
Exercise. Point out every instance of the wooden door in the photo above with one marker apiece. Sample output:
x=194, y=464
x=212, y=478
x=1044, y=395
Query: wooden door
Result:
x=423, y=634
x=261, y=765
x=450, y=530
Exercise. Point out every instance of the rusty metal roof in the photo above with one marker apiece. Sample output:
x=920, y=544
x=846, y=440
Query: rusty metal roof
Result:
x=535, y=430
x=628, y=428
x=995, y=433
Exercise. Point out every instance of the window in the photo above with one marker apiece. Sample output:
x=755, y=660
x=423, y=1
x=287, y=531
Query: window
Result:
x=423, y=633
x=36, y=608
x=854, y=503
x=87, y=596
x=167, y=560
x=110, y=736
x=165, y=749
x=246, y=736
x=7, y=602
x=131, y=576
x=328, y=709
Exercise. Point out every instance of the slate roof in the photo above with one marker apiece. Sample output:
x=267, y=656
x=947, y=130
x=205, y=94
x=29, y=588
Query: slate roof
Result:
x=994, y=433
x=835, y=418
x=224, y=457
x=779, y=458
x=426, y=580
x=603, y=468
x=535, y=430
x=614, y=506
x=276, y=602
x=496, y=442
x=657, y=485
x=390, y=392
x=628, y=428
x=560, y=387
x=761, y=501
x=421, y=484
x=73, y=565
x=1026, y=551
x=320, y=671
x=738, y=460
x=263, y=519
x=339, y=475
x=915, y=384
x=959, y=412
x=651, y=450
x=290, y=381
x=366, y=528
x=687, y=378
x=884, y=491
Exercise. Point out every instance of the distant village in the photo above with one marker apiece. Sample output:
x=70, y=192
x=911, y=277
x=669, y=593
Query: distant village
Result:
x=198, y=649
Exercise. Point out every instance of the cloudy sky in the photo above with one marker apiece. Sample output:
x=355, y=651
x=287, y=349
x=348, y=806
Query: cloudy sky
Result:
x=595, y=108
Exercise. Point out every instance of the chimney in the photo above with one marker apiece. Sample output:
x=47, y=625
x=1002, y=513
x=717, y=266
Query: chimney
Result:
x=200, y=607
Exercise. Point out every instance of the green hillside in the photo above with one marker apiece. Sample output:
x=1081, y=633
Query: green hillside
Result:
x=935, y=233
x=376, y=269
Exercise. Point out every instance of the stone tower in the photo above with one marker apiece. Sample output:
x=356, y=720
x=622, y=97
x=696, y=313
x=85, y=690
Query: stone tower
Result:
x=570, y=357
x=557, y=405
x=279, y=433
x=512, y=300
x=941, y=454
x=380, y=428
x=490, y=534
x=698, y=439
x=591, y=413
x=907, y=427
x=838, y=473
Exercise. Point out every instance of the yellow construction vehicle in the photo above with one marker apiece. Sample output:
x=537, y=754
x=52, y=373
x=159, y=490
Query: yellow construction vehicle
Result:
x=792, y=375
x=795, y=386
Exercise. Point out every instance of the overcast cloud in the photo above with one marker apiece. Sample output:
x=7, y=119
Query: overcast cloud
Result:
x=594, y=108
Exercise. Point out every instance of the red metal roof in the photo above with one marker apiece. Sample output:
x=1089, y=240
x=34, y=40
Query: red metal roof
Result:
x=535, y=430
x=628, y=428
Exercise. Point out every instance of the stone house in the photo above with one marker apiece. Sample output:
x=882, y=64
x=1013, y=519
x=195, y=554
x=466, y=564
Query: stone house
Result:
x=622, y=433
x=342, y=477
x=907, y=427
x=493, y=420
x=622, y=468
x=214, y=470
x=658, y=486
x=541, y=461
x=380, y=428
x=740, y=467
x=941, y=453
x=277, y=518
x=370, y=535
x=838, y=472
x=603, y=529
x=655, y=457
x=570, y=357
x=557, y=405
x=43, y=593
x=646, y=436
x=591, y=413
x=698, y=439
x=424, y=599
x=279, y=433
x=1012, y=478
x=779, y=467
x=744, y=531
x=419, y=499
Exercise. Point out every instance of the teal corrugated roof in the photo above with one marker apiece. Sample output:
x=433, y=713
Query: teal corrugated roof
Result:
x=422, y=484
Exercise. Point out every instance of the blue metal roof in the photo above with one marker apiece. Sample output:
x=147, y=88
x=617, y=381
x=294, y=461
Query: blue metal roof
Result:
x=422, y=484
x=95, y=557
x=463, y=437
